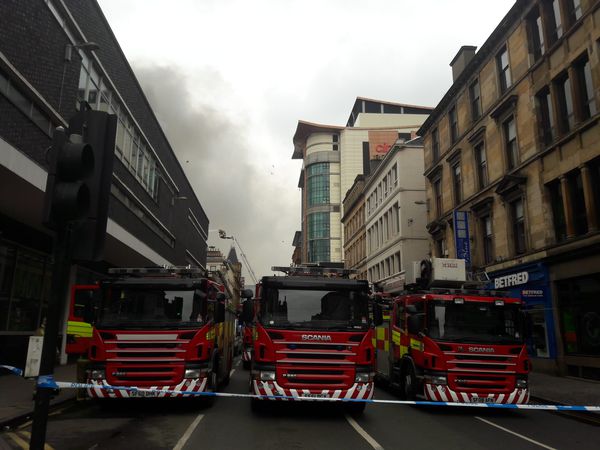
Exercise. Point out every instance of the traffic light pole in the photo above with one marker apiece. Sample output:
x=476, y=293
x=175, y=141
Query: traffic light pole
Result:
x=58, y=294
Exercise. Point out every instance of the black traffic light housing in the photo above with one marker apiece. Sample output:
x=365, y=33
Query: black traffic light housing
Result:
x=79, y=181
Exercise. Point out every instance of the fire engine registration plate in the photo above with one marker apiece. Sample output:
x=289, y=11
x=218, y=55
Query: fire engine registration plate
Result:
x=482, y=400
x=321, y=395
x=143, y=393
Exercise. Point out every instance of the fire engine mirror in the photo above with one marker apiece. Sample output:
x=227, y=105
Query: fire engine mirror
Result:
x=414, y=323
x=377, y=314
x=220, y=312
x=247, y=312
x=247, y=293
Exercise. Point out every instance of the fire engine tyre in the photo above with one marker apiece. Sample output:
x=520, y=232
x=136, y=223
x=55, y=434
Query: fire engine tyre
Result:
x=408, y=382
x=246, y=365
x=227, y=376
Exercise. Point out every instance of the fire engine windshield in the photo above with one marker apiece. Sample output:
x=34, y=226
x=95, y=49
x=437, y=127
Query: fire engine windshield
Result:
x=315, y=309
x=125, y=307
x=475, y=322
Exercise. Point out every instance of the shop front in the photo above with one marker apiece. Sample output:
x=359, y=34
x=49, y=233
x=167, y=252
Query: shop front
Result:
x=531, y=282
x=577, y=287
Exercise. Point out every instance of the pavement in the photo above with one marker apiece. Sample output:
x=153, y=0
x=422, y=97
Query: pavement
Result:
x=16, y=393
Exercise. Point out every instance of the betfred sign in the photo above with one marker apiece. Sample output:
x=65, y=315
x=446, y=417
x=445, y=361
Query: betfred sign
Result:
x=514, y=279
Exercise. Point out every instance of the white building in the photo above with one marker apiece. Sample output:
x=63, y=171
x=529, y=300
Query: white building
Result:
x=396, y=215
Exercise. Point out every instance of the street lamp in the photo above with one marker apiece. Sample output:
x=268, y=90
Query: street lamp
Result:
x=223, y=235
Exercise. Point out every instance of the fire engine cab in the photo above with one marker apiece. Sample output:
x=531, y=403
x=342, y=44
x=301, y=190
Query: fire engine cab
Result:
x=445, y=342
x=159, y=328
x=312, y=336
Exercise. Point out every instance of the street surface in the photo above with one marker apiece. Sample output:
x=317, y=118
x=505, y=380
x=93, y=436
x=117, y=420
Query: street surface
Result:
x=189, y=424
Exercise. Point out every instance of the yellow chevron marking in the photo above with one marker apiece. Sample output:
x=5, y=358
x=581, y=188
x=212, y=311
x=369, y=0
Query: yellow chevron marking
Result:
x=396, y=337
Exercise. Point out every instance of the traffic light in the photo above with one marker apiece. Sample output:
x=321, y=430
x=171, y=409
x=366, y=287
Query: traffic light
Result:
x=67, y=193
x=99, y=129
x=79, y=181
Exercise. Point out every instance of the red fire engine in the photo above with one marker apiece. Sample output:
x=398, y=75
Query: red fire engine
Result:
x=454, y=345
x=312, y=336
x=162, y=329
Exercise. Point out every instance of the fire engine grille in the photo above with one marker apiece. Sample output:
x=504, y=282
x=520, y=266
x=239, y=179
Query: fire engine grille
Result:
x=315, y=364
x=143, y=359
x=481, y=371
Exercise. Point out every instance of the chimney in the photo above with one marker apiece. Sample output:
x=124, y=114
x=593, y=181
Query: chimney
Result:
x=462, y=58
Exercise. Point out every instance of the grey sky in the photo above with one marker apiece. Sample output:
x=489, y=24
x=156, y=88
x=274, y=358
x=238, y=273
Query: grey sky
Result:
x=229, y=79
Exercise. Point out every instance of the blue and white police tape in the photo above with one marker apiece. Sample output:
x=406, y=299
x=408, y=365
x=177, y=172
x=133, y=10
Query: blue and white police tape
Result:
x=14, y=370
x=47, y=381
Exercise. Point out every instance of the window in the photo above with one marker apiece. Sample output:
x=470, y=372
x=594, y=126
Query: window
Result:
x=566, y=118
x=504, y=70
x=585, y=88
x=457, y=183
x=578, y=203
x=518, y=219
x=475, y=96
x=130, y=146
x=556, y=29
x=317, y=185
x=435, y=144
x=558, y=211
x=453, y=121
x=545, y=116
x=482, y=169
x=440, y=247
x=437, y=195
x=336, y=139
x=535, y=32
x=318, y=237
x=510, y=142
x=488, y=239
x=574, y=11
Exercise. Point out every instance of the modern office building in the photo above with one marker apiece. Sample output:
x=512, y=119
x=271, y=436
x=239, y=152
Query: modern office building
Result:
x=513, y=147
x=332, y=158
x=54, y=56
x=395, y=215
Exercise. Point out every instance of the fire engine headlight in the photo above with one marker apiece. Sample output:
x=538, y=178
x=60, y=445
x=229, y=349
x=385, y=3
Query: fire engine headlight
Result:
x=436, y=379
x=193, y=373
x=97, y=374
x=266, y=375
x=364, y=377
x=521, y=383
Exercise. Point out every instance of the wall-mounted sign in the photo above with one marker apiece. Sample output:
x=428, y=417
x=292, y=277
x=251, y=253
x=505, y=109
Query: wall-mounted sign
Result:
x=514, y=279
x=461, y=237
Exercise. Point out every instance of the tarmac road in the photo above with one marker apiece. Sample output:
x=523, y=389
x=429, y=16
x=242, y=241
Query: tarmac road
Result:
x=229, y=424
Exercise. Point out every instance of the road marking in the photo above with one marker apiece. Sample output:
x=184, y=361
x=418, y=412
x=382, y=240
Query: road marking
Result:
x=372, y=442
x=515, y=433
x=23, y=443
x=237, y=363
x=188, y=433
x=231, y=373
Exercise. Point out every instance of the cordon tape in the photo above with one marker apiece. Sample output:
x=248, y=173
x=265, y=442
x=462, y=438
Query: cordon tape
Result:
x=48, y=381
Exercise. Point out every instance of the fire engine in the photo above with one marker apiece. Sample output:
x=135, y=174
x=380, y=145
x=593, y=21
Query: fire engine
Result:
x=162, y=329
x=312, y=336
x=452, y=344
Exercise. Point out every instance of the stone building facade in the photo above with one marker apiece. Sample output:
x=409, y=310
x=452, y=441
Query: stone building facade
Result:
x=515, y=144
x=353, y=220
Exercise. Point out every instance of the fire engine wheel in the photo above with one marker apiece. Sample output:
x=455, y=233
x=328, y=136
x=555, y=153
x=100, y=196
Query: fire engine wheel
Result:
x=408, y=382
x=246, y=365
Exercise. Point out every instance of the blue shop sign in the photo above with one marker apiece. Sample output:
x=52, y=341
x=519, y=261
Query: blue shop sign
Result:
x=531, y=283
